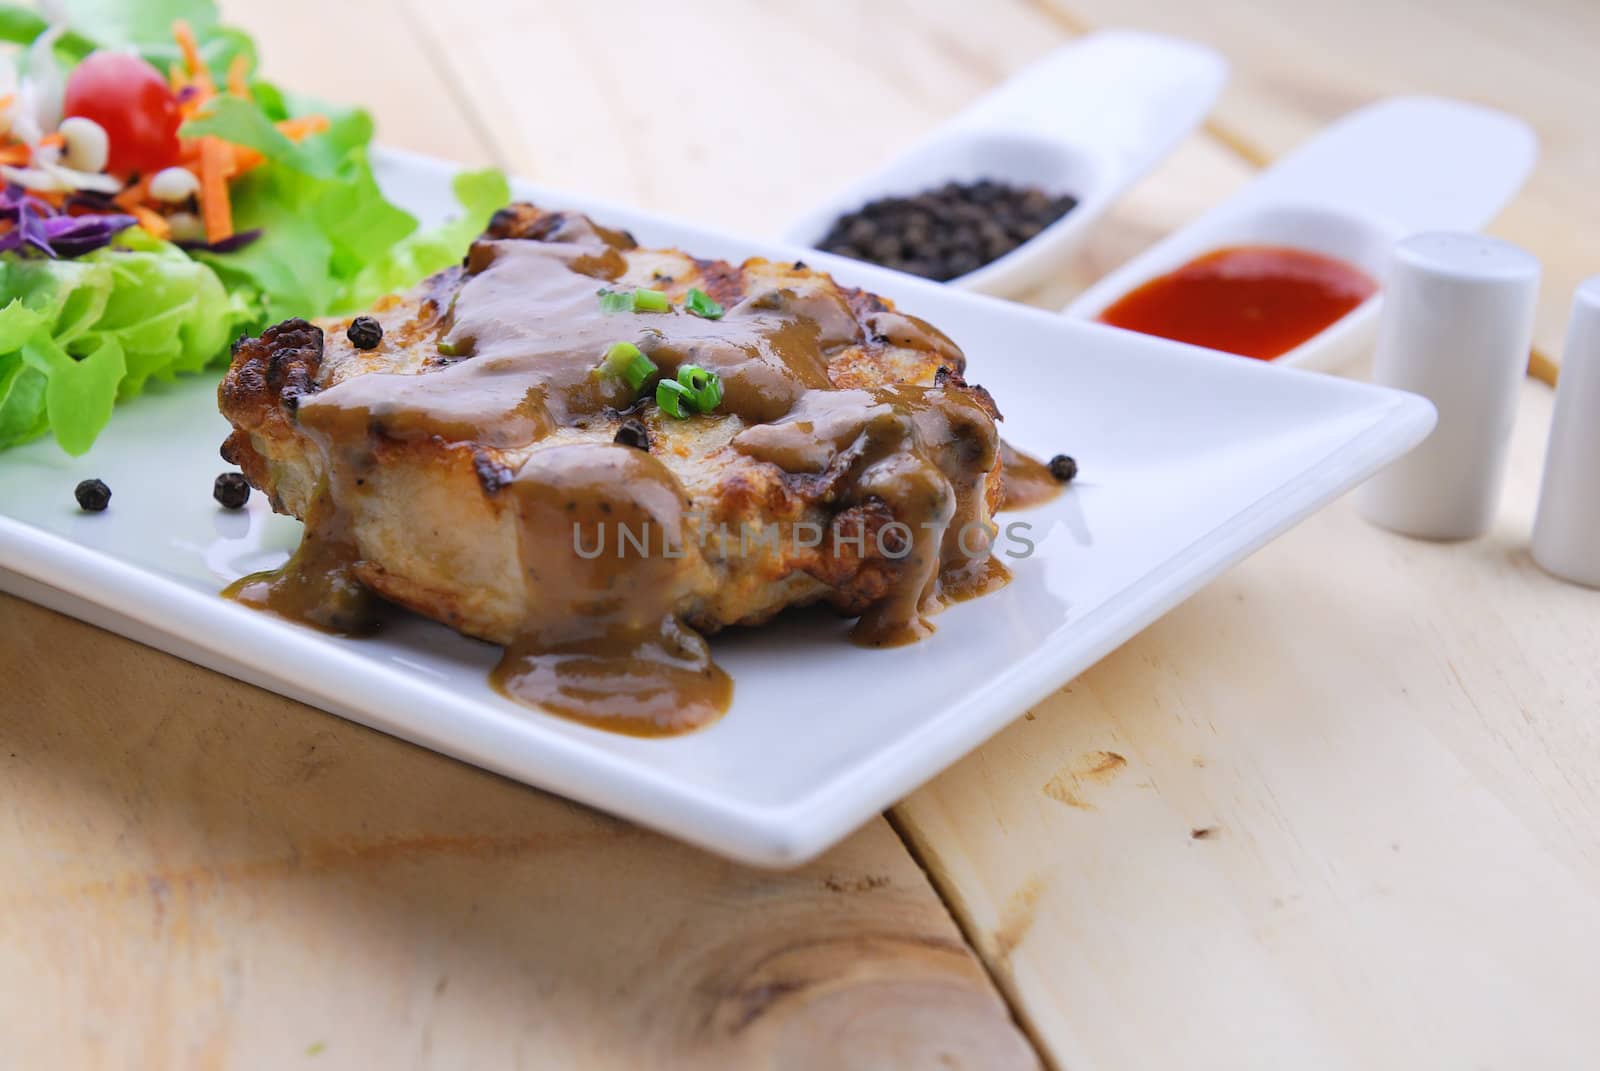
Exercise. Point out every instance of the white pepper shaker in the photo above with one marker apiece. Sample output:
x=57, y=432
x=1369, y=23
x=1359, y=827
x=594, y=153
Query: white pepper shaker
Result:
x=1566, y=532
x=1457, y=324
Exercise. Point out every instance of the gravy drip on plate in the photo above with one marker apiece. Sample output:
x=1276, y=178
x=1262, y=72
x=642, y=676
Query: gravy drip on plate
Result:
x=318, y=585
x=1028, y=482
x=602, y=641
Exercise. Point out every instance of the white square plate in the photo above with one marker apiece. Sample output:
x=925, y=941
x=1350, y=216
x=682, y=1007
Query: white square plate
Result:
x=1189, y=461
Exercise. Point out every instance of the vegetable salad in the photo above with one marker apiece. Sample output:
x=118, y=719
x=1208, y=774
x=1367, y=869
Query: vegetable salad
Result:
x=157, y=199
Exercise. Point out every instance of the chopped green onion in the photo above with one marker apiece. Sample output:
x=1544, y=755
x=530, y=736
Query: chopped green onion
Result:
x=673, y=398
x=449, y=349
x=650, y=301
x=638, y=299
x=618, y=355
x=694, y=377
x=700, y=303
x=616, y=301
x=638, y=371
x=628, y=361
x=705, y=388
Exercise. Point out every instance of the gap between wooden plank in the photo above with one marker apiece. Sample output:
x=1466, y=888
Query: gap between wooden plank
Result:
x=478, y=124
x=1000, y=982
x=1255, y=158
x=1228, y=138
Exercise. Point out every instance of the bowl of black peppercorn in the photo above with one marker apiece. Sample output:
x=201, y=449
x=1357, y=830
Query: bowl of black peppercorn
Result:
x=948, y=231
x=999, y=197
x=981, y=210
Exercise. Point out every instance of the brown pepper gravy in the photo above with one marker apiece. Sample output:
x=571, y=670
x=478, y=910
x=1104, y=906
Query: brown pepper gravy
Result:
x=602, y=639
x=317, y=586
x=602, y=642
x=1027, y=481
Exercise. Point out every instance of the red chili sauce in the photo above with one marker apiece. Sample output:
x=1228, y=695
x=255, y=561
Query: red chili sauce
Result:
x=1254, y=300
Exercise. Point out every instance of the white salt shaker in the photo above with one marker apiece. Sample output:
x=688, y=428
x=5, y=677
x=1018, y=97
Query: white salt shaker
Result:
x=1566, y=533
x=1456, y=328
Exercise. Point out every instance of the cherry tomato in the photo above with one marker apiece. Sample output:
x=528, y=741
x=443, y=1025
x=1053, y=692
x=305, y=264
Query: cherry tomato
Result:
x=131, y=100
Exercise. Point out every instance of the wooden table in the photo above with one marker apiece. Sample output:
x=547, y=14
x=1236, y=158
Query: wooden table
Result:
x=1339, y=810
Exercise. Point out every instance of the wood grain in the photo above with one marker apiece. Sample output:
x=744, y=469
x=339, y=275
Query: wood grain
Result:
x=1337, y=810
x=200, y=874
x=738, y=115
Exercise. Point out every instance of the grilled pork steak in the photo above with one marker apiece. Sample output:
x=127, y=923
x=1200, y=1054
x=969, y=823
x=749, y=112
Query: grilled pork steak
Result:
x=480, y=465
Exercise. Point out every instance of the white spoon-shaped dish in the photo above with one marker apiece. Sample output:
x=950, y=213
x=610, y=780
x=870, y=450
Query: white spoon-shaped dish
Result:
x=1087, y=120
x=1388, y=170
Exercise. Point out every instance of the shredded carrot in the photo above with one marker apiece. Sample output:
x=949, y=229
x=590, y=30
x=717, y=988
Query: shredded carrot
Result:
x=199, y=73
x=51, y=139
x=14, y=155
x=182, y=34
x=238, y=72
x=236, y=161
x=245, y=158
x=215, y=210
x=153, y=222
x=176, y=78
x=131, y=196
x=7, y=100
x=300, y=127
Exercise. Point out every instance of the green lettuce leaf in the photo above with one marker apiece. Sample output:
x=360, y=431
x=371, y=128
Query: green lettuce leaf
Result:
x=243, y=122
x=330, y=241
x=139, y=22
x=146, y=26
x=170, y=312
x=79, y=392
x=285, y=272
x=22, y=389
x=22, y=415
x=480, y=193
x=142, y=25
x=20, y=25
x=75, y=335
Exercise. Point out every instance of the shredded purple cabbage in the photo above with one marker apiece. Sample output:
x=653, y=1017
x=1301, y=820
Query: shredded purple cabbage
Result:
x=42, y=228
x=237, y=240
x=90, y=201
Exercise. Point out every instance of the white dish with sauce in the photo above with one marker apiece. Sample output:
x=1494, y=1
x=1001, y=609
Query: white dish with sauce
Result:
x=1088, y=120
x=1388, y=170
x=1189, y=461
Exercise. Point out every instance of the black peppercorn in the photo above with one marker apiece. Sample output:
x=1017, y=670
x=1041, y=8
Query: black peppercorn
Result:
x=231, y=490
x=948, y=231
x=633, y=433
x=364, y=333
x=92, y=495
x=1063, y=468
